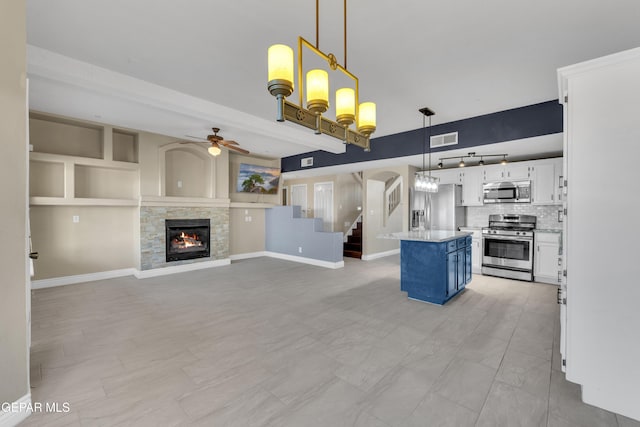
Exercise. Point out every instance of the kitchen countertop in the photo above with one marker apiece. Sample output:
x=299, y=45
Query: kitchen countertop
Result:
x=434, y=236
x=547, y=230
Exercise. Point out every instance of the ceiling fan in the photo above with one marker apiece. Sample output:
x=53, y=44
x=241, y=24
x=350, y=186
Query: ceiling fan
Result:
x=216, y=141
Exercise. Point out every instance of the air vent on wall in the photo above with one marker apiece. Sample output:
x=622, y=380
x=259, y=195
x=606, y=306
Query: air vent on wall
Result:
x=444, y=139
x=307, y=161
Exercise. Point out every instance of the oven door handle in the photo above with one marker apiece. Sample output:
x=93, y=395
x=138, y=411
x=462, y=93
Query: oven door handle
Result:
x=512, y=238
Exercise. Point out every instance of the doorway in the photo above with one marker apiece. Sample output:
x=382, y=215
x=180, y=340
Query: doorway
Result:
x=299, y=198
x=323, y=204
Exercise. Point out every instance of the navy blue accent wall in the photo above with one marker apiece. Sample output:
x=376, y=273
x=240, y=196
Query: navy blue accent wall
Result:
x=524, y=122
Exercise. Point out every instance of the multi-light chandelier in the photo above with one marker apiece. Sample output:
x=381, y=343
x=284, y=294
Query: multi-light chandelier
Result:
x=472, y=156
x=348, y=108
x=423, y=179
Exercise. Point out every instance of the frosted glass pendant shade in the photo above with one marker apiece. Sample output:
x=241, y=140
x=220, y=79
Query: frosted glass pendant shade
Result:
x=345, y=106
x=367, y=118
x=280, y=64
x=317, y=91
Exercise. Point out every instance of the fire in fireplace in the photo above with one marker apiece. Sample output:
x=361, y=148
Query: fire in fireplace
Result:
x=187, y=238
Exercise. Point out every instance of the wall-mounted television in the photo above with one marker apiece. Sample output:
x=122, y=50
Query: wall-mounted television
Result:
x=258, y=179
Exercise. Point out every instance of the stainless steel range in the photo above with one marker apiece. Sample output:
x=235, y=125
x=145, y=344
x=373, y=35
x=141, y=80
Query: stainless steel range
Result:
x=507, y=246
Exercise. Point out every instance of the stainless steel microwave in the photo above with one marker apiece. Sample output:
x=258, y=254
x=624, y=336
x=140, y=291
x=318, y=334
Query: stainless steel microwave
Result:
x=507, y=192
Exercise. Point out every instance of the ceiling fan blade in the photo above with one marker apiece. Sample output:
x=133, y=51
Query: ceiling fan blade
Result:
x=228, y=142
x=232, y=147
x=196, y=137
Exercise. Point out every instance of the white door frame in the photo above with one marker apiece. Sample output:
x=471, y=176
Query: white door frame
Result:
x=315, y=206
x=304, y=207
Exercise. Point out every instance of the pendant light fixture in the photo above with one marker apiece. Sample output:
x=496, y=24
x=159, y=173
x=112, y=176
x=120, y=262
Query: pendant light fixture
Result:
x=316, y=88
x=423, y=179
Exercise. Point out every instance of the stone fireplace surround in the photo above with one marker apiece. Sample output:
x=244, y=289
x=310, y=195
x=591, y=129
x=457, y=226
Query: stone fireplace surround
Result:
x=153, y=240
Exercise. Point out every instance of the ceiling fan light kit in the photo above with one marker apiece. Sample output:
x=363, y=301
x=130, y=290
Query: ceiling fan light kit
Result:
x=348, y=111
x=216, y=141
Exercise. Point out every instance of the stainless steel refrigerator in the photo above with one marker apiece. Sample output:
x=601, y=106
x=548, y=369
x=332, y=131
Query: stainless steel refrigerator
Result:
x=437, y=211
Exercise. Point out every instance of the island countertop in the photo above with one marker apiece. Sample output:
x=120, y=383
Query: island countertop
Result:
x=435, y=236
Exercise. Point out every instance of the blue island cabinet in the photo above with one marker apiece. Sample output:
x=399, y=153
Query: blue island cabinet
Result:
x=435, y=271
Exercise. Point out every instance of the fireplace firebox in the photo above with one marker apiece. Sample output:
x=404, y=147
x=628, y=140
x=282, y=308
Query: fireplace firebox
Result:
x=187, y=238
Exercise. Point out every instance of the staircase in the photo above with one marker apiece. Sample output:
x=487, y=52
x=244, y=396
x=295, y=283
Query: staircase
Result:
x=353, y=246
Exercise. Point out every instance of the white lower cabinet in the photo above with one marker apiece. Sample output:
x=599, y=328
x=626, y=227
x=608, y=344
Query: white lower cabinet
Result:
x=547, y=259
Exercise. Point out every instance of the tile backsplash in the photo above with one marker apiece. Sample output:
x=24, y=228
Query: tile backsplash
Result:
x=547, y=215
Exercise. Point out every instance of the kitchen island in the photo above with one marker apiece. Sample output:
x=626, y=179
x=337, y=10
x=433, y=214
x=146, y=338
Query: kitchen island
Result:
x=434, y=265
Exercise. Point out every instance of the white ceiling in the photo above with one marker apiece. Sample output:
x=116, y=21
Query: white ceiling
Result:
x=179, y=68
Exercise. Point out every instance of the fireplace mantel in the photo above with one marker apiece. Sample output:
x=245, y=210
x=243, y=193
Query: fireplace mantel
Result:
x=184, y=202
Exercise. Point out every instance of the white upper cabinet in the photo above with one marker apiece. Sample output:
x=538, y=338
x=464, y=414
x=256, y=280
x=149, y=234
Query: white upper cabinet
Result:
x=559, y=180
x=472, y=186
x=545, y=175
x=544, y=185
x=546, y=182
x=508, y=172
x=448, y=176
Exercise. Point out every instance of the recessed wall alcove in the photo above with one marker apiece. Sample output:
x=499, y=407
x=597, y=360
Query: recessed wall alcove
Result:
x=186, y=170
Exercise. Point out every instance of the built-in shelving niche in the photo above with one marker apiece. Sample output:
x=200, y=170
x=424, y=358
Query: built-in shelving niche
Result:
x=46, y=179
x=125, y=146
x=55, y=135
x=78, y=163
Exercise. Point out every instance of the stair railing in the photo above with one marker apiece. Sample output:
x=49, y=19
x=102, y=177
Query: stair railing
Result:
x=392, y=198
x=353, y=226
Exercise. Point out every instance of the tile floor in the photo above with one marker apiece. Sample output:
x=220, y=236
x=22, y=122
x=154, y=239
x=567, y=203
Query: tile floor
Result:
x=266, y=342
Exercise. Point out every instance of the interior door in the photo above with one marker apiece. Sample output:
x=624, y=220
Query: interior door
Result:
x=323, y=203
x=299, y=197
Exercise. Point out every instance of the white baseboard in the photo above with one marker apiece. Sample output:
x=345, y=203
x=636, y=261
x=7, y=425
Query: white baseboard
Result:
x=248, y=255
x=81, y=278
x=13, y=418
x=155, y=272
x=377, y=255
x=303, y=260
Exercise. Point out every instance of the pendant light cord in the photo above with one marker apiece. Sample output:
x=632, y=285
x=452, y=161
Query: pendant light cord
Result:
x=429, y=138
x=318, y=24
x=345, y=34
x=345, y=30
x=424, y=140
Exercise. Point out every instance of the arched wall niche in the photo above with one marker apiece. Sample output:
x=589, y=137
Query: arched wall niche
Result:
x=186, y=170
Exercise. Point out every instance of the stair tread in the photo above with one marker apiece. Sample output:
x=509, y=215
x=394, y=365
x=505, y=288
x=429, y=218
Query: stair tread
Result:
x=352, y=254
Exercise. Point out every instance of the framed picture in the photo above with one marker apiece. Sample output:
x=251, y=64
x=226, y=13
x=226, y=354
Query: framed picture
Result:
x=258, y=179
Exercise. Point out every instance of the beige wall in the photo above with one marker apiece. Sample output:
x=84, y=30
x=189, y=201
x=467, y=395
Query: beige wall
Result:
x=14, y=380
x=103, y=240
x=399, y=220
x=347, y=197
x=184, y=171
x=246, y=236
x=234, y=167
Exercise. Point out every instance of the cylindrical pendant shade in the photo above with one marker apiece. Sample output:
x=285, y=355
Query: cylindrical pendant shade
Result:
x=345, y=106
x=367, y=118
x=280, y=64
x=317, y=91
